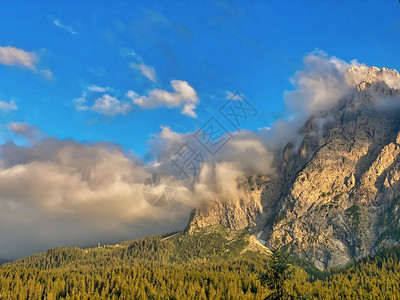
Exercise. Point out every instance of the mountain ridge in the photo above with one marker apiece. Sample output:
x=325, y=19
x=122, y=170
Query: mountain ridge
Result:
x=212, y=243
x=334, y=188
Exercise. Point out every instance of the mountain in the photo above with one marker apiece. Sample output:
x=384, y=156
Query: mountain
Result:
x=333, y=201
x=336, y=194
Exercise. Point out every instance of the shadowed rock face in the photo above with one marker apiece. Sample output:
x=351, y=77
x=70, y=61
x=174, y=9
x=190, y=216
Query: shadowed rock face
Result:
x=337, y=194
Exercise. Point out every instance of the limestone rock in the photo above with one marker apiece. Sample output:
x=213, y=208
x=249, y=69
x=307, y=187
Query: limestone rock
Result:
x=337, y=194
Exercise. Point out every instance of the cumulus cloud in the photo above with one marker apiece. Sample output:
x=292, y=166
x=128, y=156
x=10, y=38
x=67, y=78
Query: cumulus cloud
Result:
x=146, y=70
x=58, y=23
x=11, y=56
x=7, y=106
x=183, y=95
x=164, y=144
x=106, y=105
x=248, y=153
x=318, y=86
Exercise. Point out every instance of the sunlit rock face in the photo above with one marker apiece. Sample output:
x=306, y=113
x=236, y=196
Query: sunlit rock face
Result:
x=336, y=195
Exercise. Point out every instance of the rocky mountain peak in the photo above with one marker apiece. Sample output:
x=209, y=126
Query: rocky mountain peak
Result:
x=366, y=76
x=336, y=196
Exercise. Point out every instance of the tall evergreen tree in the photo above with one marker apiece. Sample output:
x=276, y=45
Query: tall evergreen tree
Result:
x=279, y=270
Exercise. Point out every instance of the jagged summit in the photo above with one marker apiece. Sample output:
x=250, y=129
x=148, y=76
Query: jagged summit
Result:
x=337, y=193
x=356, y=75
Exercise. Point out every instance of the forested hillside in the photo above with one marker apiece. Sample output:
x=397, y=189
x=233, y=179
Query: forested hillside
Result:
x=207, y=265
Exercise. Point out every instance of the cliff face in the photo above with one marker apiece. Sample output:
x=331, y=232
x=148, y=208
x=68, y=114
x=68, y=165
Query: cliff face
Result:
x=332, y=211
x=244, y=211
x=337, y=194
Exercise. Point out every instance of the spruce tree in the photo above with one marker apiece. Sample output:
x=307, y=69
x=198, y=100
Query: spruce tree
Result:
x=279, y=270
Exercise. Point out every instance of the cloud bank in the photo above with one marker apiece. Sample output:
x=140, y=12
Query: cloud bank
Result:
x=60, y=192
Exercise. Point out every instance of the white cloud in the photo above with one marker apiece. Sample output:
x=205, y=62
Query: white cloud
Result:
x=319, y=85
x=183, y=95
x=244, y=155
x=106, y=105
x=11, y=56
x=8, y=106
x=96, y=88
x=58, y=23
x=146, y=71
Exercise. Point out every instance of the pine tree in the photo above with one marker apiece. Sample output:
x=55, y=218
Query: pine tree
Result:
x=279, y=270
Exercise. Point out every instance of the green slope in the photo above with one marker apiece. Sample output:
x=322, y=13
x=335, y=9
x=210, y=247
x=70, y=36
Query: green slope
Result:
x=213, y=243
x=211, y=264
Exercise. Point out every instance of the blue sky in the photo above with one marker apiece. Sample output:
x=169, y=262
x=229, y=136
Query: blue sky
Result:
x=253, y=47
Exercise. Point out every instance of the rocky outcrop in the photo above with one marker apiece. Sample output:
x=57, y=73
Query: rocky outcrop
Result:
x=337, y=195
x=238, y=212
